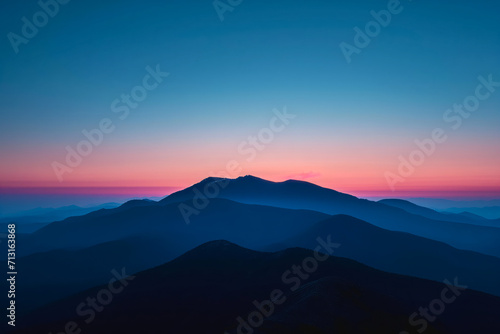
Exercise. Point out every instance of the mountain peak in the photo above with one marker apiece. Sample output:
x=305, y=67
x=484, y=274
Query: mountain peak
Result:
x=219, y=249
x=212, y=179
x=251, y=177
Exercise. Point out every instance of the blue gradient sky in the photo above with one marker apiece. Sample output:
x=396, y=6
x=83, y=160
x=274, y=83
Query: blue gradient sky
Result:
x=353, y=120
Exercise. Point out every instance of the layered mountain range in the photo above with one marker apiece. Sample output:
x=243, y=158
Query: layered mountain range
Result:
x=204, y=257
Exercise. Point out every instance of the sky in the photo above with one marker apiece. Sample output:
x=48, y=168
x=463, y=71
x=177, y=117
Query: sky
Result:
x=271, y=71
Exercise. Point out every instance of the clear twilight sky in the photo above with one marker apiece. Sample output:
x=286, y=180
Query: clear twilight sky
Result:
x=352, y=120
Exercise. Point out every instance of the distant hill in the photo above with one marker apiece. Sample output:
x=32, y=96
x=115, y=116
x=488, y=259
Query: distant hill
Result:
x=489, y=212
x=401, y=253
x=467, y=218
x=47, y=215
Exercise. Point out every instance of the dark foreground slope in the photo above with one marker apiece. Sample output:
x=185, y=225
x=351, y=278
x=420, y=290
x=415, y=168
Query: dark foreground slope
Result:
x=208, y=288
x=52, y=275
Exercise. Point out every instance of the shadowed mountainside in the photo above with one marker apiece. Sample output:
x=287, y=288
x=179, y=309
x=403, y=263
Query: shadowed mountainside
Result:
x=401, y=253
x=249, y=225
x=303, y=195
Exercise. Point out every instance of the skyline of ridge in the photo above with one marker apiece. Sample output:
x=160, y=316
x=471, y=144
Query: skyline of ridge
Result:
x=55, y=197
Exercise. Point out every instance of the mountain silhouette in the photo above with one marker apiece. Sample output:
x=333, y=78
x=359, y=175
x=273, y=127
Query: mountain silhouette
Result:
x=303, y=195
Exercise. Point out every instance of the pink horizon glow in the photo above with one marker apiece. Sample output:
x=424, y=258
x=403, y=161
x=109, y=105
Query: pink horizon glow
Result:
x=125, y=191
